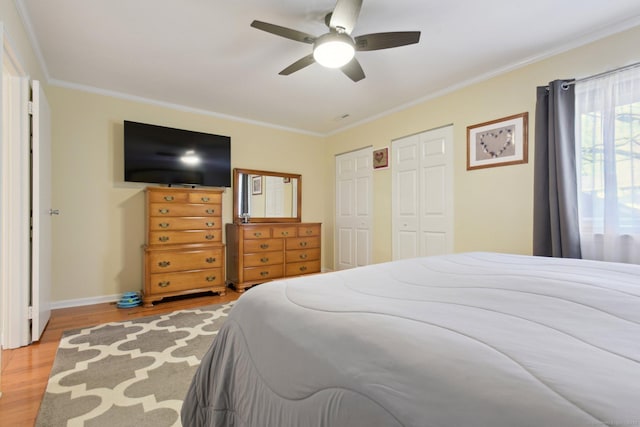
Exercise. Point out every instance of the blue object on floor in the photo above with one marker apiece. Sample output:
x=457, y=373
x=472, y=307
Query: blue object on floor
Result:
x=129, y=299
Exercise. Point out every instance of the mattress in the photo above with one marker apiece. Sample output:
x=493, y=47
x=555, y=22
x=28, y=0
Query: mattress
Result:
x=474, y=339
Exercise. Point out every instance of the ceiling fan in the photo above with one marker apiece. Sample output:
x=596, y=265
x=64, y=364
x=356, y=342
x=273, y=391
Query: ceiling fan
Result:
x=336, y=49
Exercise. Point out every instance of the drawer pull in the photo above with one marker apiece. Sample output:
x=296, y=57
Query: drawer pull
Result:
x=163, y=238
x=210, y=211
x=209, y=237
x=257, y=234
x=264, y=246
x=303, y=244
x=264, y=273
x=164, y=264
x=265, y=259
x=164, y=225
x=168, y=198
x=210, y=224
x=164, y=284
x=211, y=278
x=211, y=260
x=204, y=199
x=163, y=211
x=285, y=233
x=309, y=231
x=303, y=256
x=303, y=268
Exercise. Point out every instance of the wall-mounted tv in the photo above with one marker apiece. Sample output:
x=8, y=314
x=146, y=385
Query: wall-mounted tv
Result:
x=162, y=155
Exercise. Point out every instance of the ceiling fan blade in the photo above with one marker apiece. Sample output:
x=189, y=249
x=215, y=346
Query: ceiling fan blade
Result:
x=298, y=65
x=379, y=41
x=345, y=14
x=353, y=70
x=285, y=32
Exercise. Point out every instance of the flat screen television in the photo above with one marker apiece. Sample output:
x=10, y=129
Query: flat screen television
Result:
x=162, y=155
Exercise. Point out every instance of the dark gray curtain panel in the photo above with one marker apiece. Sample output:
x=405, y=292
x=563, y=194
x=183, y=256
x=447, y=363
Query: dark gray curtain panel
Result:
x=555, y=208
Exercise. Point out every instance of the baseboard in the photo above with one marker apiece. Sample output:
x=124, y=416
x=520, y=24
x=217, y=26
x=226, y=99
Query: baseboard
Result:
x=84, y=301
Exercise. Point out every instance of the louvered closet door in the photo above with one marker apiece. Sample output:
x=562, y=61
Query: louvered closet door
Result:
x=422, y=211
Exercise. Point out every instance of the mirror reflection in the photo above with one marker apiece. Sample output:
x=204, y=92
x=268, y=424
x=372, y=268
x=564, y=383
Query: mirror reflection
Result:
x=262, y=196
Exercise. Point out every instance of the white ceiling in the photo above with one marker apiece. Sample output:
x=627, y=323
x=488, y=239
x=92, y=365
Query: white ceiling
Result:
x=203, y=55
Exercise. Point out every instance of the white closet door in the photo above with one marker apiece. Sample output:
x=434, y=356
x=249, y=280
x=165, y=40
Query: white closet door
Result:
x=354, y=206
x=274, y=196
x=405, y=158
x=422, y=211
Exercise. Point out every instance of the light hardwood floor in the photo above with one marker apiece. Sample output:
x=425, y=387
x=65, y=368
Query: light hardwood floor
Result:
x=25, y=370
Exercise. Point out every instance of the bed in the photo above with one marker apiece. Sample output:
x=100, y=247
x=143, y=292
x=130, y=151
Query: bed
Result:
x=474, y=339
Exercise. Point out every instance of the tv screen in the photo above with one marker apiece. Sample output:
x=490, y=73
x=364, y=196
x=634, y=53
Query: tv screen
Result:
x=163, y=155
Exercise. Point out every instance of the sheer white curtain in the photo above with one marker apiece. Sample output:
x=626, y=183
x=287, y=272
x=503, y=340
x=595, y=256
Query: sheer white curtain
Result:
x=608, y=166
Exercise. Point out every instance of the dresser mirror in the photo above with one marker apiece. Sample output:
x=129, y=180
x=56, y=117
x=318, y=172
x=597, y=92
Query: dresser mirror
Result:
x=261, y=196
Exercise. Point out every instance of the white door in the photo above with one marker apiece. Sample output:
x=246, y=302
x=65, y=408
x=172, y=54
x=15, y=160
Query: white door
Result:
x=41, y=205
x=354, y=207
x=274, y=196
x=422, y=210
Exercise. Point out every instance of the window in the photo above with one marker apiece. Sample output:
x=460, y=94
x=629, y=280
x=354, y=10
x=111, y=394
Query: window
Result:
x=608, y=166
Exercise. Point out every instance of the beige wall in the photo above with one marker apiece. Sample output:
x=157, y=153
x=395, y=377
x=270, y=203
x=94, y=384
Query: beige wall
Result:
x=98, y=236
x=494, y=206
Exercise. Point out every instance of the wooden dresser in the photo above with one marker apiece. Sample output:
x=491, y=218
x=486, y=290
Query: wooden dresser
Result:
x=184, y=252
x=261, y=252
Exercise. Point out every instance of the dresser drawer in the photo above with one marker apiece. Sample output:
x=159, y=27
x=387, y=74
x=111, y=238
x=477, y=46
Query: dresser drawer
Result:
x=205, y=197
x=167, y=209
x=181, y=260
x=184, y=223
x=265, y=273
x=257, y=232
x=303, y=255
x=186, y=236
x=303, y=243
x=266, y=258
x=309, y=230
x=284, y=231
x=167, y=196
x=297, y=268
x=263, y=245
x=171, y=282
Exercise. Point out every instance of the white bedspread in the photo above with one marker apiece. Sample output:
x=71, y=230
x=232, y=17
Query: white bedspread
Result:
x=475, y=339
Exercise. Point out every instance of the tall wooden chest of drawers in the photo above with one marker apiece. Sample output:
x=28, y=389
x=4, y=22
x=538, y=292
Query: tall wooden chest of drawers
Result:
x=261, y=252
x=184, y=252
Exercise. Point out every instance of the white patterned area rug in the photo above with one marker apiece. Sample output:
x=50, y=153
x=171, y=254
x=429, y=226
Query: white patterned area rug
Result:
x=133, y=373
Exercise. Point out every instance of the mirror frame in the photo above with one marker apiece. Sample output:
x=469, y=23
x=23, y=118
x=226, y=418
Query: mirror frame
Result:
x=236, y=196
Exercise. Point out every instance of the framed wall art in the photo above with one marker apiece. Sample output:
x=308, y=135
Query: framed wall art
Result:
x=499, y=142
x=381, y=158
x=256, y=185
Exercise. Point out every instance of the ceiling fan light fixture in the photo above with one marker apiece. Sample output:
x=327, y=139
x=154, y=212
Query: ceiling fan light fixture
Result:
x=333, y=50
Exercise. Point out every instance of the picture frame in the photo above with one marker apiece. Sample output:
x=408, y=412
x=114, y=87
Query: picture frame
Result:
x=256, y=185
x=381, y=158
x=500, y=142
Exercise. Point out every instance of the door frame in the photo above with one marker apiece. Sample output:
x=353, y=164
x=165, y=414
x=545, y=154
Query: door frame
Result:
x=14, y=199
